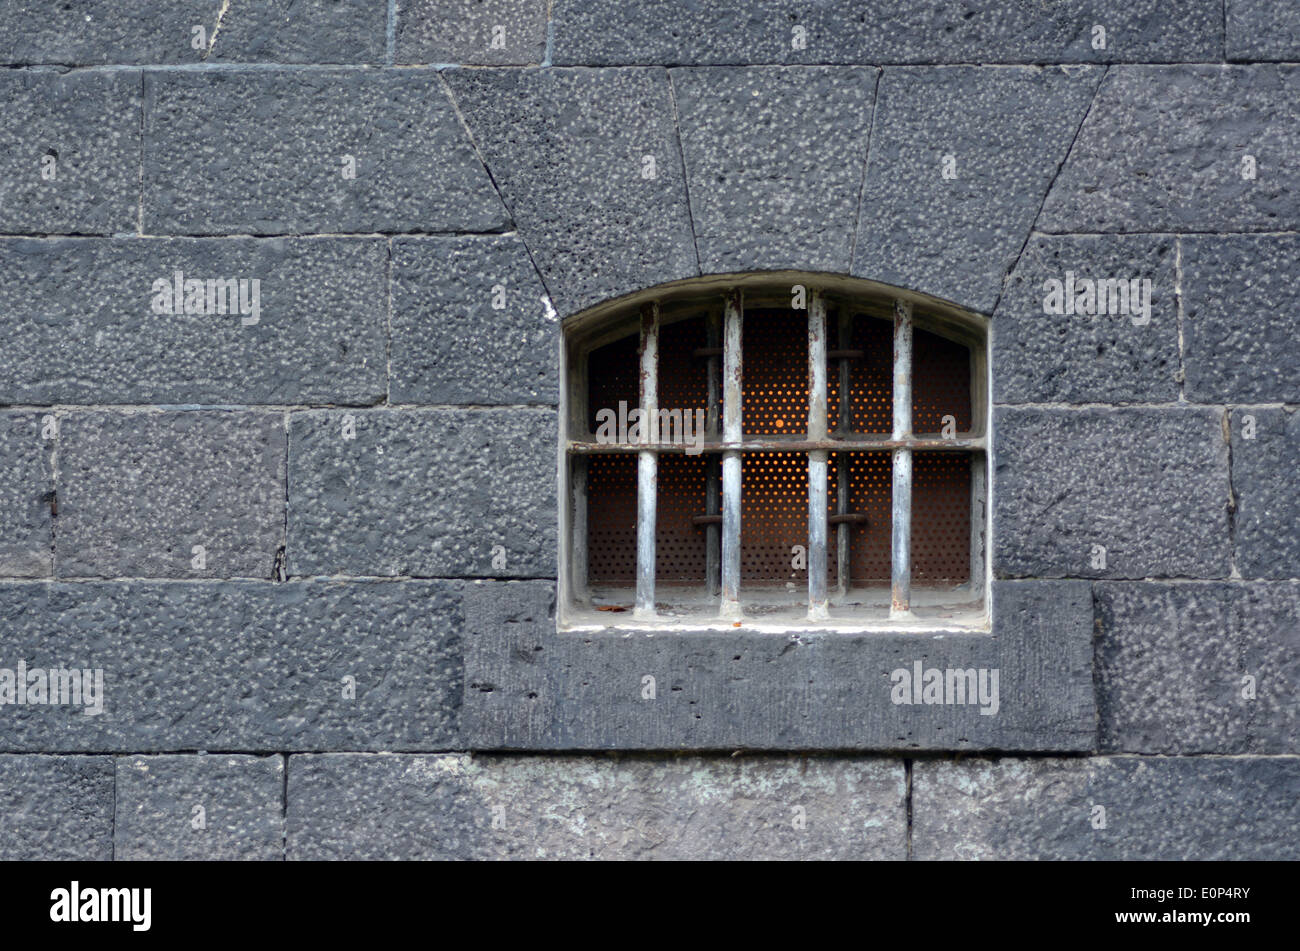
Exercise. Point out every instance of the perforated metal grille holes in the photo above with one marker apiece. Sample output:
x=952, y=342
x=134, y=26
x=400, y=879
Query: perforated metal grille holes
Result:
x=774, y=484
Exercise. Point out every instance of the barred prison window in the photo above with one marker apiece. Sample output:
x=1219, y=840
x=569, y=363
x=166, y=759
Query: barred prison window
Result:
x=787, y=454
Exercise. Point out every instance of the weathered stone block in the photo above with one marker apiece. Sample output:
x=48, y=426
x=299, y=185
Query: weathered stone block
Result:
x=1110, y=493
x=56, y=808
x=437, y=493
x=527, y=807
x=1054, y=343
x=212, y=808
x=284, y=152
x=1164, y=148
x=141, y=493
x=589, y=164
x=452, y=343
x=69, y=151
x=26, y=484
x=472, y=32
x=958, y=170
x=84, y=309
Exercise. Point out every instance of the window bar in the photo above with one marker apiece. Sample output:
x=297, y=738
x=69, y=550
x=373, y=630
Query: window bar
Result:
x=713, y=487
x=731, y=433
x=901, y=543
x=817, y=458
x=842, y=427
x=647, y=487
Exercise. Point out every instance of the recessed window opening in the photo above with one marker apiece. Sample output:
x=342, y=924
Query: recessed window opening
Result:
x=787, y=454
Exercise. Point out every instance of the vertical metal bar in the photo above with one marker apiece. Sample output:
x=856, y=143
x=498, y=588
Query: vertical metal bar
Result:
x=647, y=488
x=817, y=459
x=578, y=540
x=842, y=426
x=732, y=371
x=713, y=473
x=901, y=548
x=977, y=520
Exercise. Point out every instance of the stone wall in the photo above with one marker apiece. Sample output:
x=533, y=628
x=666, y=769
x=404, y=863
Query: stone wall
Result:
x=311, y=541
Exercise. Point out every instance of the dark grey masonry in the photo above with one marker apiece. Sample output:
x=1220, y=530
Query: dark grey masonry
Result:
x=216, y=807
x=364, y=659
x=85, y=312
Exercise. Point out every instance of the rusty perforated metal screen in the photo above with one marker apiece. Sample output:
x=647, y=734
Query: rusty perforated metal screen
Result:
x=774, y=489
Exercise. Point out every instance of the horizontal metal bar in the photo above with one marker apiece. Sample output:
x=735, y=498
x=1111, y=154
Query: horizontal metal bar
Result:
x=848, y=518
x=707, y=352
x=845, y=354
x=794, y=444
x=706, y=519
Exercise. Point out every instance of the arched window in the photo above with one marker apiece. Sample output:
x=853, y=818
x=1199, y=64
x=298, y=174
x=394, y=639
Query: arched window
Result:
x=790, y=450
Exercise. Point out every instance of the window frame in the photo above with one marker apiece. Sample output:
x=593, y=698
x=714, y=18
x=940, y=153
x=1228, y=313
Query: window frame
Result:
x=643, y=314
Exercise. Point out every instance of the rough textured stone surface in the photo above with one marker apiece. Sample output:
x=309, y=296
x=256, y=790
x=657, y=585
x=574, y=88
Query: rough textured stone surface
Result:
x=1174, y=809
x=451, y=343
x=573, y=152
x=612, y=32
x=1262, y=29
x=1162, y=150
x=104, y=31
x=527, y=687
x=139, y=491
x=302, y=31
x=473, y=32
x=438, y=493
x=241, y=799
x=769, y=188
x=89, y=124
x=1169, y=669
x=1242, y=318
x=1080, y=358
x=459, y=806
x=83, y=309
x=1173, y=662
x=1266, y=483
x=957, y=237
x=1268, y=621
x=26, y=481
x=1150, y=486
x=264, y=153
x=56, y=808
x=240, y=665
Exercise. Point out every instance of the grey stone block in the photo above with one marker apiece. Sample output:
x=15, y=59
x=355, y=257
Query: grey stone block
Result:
x=437, y=493
x=213, y=808
x=302, y=31
x=450, y=341
x=1262, y=30
x=571, y=151
x=264, y=152
x=956, y=237
x=92, y=32
x=1167, y=809
x=1266, y=484
x=471, y=32
x=612, y=32
x=1118, y=354
x=240, y=665
x=84, y=130
x=84, y=309
x=1163, y=146
x=1267, y=621
x=1150, y=486
x=774, y=162
x=529, y=687
x=56, y=808
x=527, y=807
x=26, y=481
x=1242, y=318
x=139, y=492
x=1169, y=669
